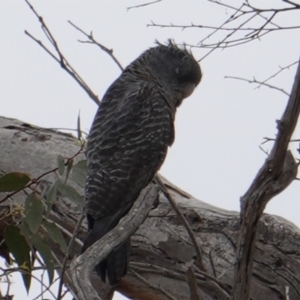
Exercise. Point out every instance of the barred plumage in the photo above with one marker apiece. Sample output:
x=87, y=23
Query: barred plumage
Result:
x=129, y=138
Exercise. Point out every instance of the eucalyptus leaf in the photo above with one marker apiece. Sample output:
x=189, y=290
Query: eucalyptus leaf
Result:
x=13, y=181
x=69, y=192
x=56, y=235
x=69, y=168
x=60, y=164
x=42, y=248
x=19, y=248
x=79, y=172
x=51, y=195
x=33, y=212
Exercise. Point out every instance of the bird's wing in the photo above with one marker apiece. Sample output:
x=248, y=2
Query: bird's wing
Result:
x=127, y=145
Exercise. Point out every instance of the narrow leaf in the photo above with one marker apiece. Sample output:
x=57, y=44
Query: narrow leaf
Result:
x=51, y=195
x=56, y=235
x=33, y=212
x=69, y=168
x=69, y=192
x=19, y=248
x=78, y=126
x=42, y=248
x=13, y=181
x=79, y=172
x=60, y=164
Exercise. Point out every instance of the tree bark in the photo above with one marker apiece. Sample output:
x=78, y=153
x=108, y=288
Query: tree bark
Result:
x=162, y=252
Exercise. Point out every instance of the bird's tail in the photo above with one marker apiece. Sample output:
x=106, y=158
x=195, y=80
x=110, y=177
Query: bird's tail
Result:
x=116, y=264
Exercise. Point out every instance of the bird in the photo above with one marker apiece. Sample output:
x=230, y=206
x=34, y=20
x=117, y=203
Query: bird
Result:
x=129, y=139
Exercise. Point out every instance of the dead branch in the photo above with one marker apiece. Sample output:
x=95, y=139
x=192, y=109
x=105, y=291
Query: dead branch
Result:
x=278, y=171
x=143, y=5
x=86, y=262
x=239, y=27
x=192, y=282
x=101, y=46
x=260, y=83
x=184, y=222
x=60, y=58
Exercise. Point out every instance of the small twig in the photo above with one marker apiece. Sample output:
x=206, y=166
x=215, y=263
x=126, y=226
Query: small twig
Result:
x=191, y=280
x=239, y=21
x=20, y=270
x=64, y=230
x=64, y=265
x=260, y=84
x=203, y=278
x=212, y=264
x=39, y=296
x=148, y=283
x=184, y=222
x=102, y=47
x=61, y=58
x=263, y=150
x=278, y=72
x=143, y=5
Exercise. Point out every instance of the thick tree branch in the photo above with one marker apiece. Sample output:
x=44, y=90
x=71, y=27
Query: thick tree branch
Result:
x=86, y=262
x=278, y=171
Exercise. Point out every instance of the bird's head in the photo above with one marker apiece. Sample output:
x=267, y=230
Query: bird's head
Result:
x=175, y=68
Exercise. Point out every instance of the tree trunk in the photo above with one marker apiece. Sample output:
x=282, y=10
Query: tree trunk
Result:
x=161, y=251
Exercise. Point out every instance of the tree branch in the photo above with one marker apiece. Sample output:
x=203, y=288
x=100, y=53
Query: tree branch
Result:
x=278, y=171
x=184, y=222
x=86, y=262
x=102, y=47
x=61, y=58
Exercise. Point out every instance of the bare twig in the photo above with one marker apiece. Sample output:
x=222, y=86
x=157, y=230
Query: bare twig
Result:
x=148, y=283
x=64, y=230
x=260, y=83
x=61, y=58
x=281, y=69
x=84, y=264
x=203, y=279
x=278, y=171
x=184, y=222
x=191, y=280
x=238, y=27
x=23, y=271
x=102, y=47
x=64, y=265
x=143, y=5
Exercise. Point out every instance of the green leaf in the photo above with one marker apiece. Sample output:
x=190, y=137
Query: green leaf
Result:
x=43, y=249
x=79, y=172
x=69, y=192
x=33, y=212
x=60, y=164
x=69, y=168
x=78, y=127
x=51, y=195
x=56, y=235
x=19, y=248
x=13, y=181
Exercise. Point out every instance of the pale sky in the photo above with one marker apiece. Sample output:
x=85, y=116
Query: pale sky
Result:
x=218, y=129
